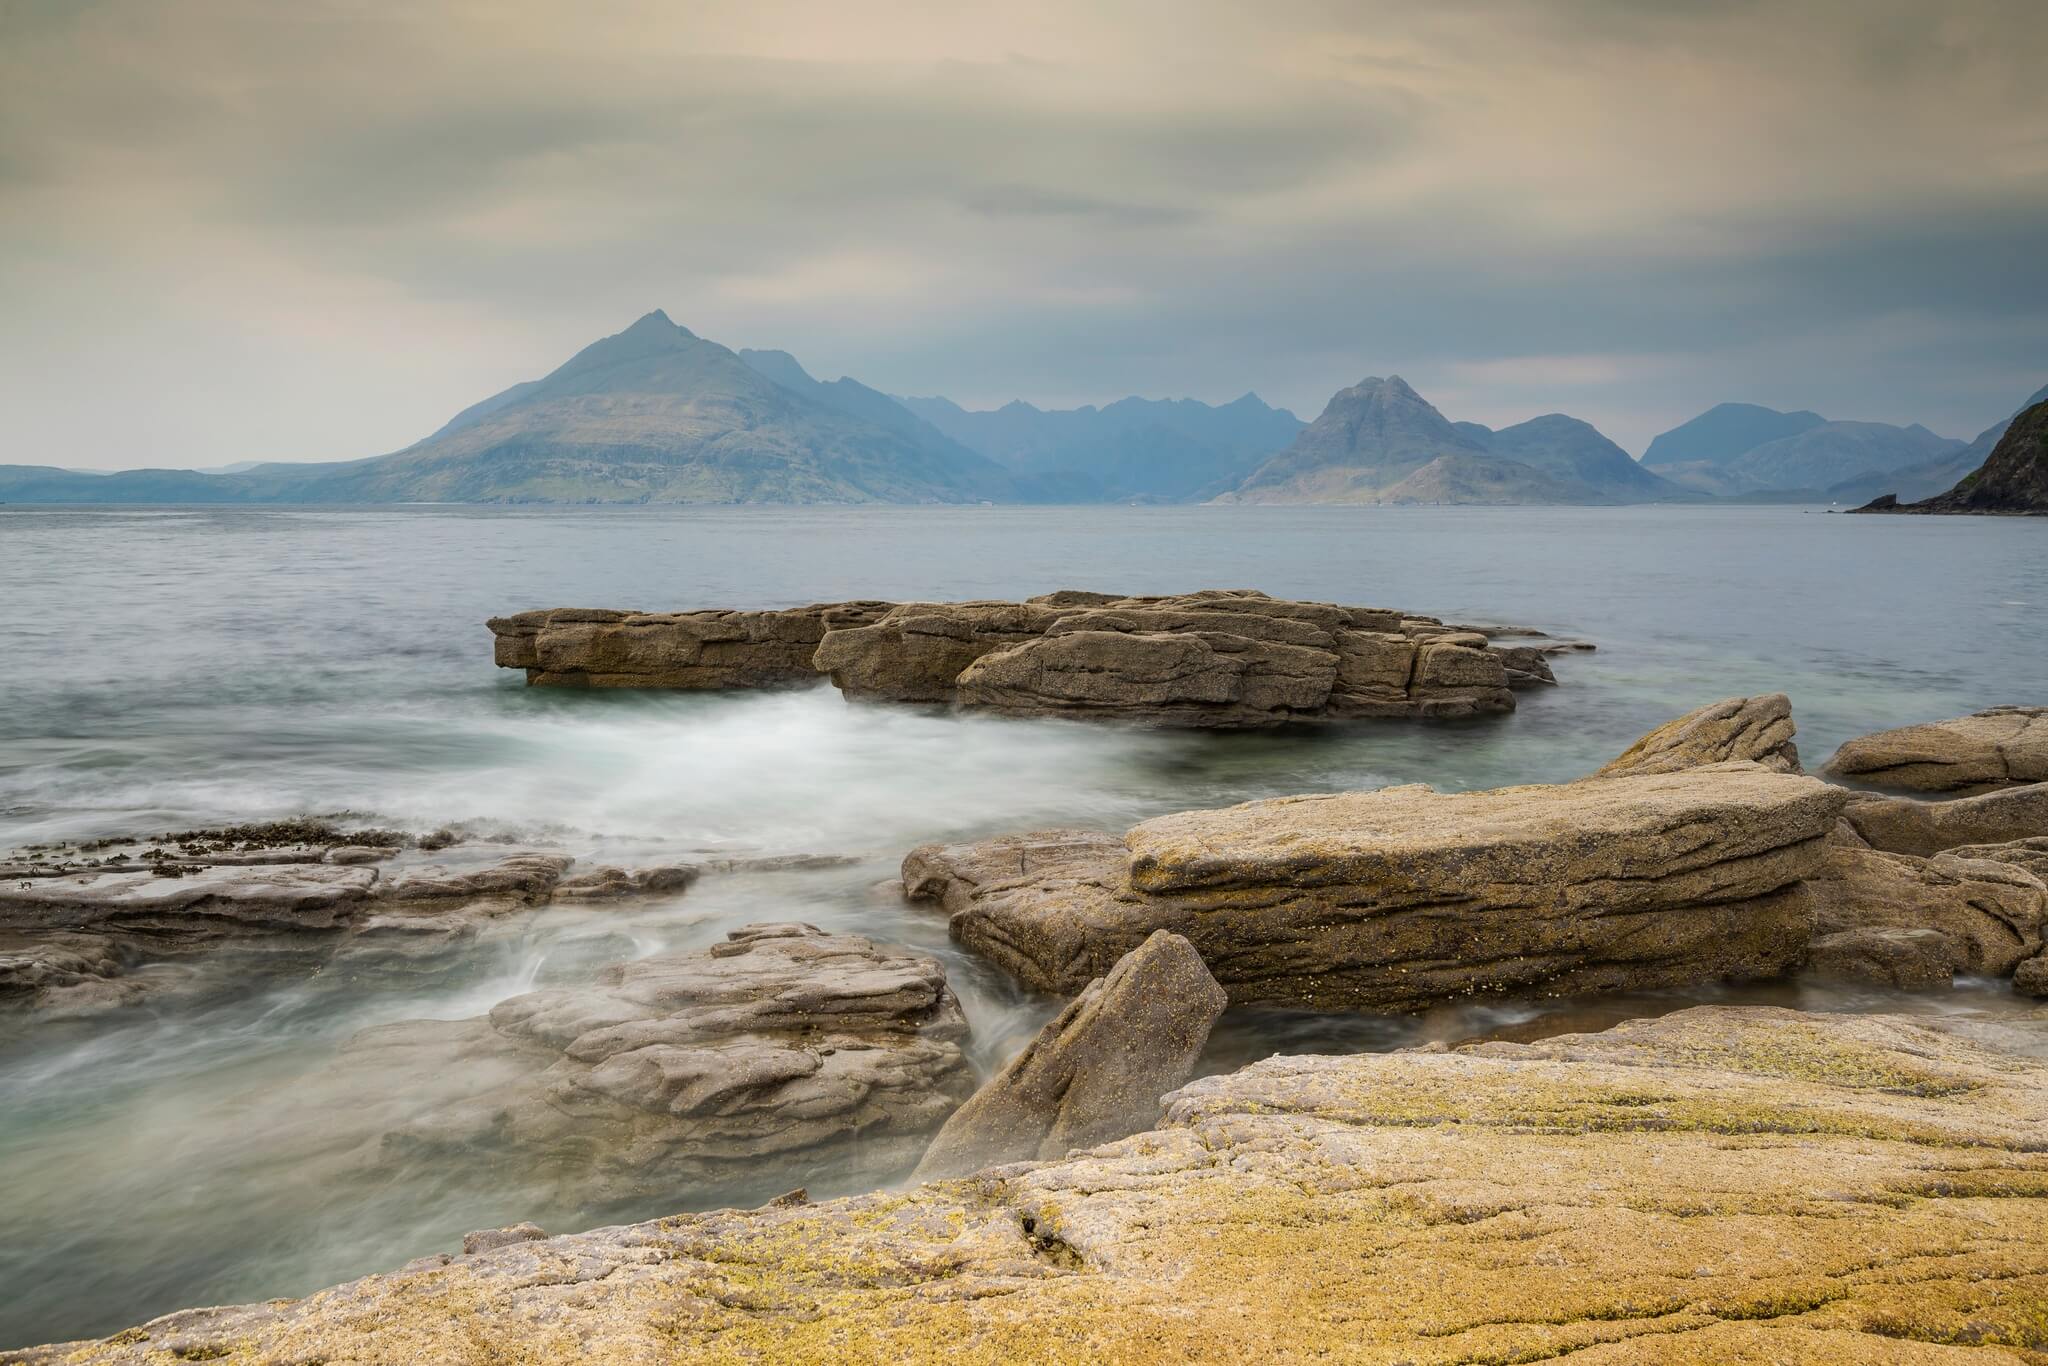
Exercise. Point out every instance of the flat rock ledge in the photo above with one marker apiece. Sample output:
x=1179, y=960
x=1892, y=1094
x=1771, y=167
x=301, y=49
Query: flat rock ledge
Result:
x=76, y=924
x=781, y=1048
x=1719, y=1185
x=1396, y=899
x=1999, y=747
x=1220, y=659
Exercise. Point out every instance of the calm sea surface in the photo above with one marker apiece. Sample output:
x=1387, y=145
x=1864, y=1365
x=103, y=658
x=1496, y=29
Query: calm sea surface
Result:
x=179, y=667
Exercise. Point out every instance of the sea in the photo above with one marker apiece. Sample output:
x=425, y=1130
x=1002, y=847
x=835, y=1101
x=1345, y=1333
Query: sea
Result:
x=180, y=667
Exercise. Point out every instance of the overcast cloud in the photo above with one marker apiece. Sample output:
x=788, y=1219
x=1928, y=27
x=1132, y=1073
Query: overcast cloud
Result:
x=233, y=229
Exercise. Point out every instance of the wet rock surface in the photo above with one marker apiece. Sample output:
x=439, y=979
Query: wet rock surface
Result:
x=1221, y=659
x=1715, y=1185
x=78, y=922
x=689, y=1067
x=1998, y=747
x=1394, y=899
x=1096, y=1071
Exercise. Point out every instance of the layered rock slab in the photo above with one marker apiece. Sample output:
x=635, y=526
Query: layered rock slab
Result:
x=1758, y=729
x=695, y=1067
x=1991, y=915
x=1998, y=747
x=1218, y=659
x=1902, y=825
x=1395, y=899
x=1716, y=1185
x=1096, y=1071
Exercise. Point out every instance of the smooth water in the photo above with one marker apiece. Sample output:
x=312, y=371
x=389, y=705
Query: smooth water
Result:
x=173, y=668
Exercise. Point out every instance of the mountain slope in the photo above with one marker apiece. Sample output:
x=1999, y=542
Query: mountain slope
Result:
x=1381, y=442
x=1575, y=453
x=1135, y=448
x=1816, y=458
x=1725, y=432
x=2013, y=479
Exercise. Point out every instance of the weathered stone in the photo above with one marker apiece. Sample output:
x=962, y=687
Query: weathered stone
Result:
x=1758, y=729
x=695, y=1066
x=580, y=647
x=1527, y=666
x=1395, y=899
x=1219, y=659
x=1096, y=1071
x=2031, y=977
x=2030, y=854
x=1993, y=913
x=1903, y=825
x=1717, y=1185
x=1909, y=959
x=1998, y=747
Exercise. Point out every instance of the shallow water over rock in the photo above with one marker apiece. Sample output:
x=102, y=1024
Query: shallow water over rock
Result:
x=193, y=667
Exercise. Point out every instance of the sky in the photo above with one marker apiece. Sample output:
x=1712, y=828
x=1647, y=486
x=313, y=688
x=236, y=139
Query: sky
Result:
x=238, y=230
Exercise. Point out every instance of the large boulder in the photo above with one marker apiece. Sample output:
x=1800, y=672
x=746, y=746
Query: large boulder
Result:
x=1902, y=825
x=1758, y=729
x=1096, y=1071
x=1992, y=914
x=782, y=1051
x=1998, y=747
x=1218, y=659
x=1716, y=1185
x=1395, y=899
x=595, y=648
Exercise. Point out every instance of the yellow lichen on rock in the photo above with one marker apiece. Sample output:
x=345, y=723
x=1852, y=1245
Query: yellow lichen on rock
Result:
x=1717, y=1185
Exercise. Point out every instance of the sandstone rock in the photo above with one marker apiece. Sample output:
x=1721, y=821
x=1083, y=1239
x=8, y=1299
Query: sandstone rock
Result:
x=1993, y=914
x=1527, y=666
x=2030, y=854
x=1713, y=1186
x=1758, y=729
x=1995, y=748
x=579, y=647
x=1096, y=1071
x=781, y=1041
x=1221, y=659
x=1902, y=825
x=1395, y=899
x=1909, y=959
x=2031, y=977
x=486, y=1240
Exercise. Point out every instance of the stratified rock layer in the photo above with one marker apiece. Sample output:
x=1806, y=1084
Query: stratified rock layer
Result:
x=1901, y=825
x=1096, y=1071
x=1993, y=914
x=1758, y=729
x=2001, y=747
x=1227, y=660
x=1395, y=899
x=783, y=1043
x=1743, y=1186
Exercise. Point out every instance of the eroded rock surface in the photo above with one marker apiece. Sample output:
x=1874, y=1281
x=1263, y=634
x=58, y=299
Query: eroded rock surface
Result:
x=1096, y=1071
x=76, y=924
x=1999, y=747
x=1758, y=729
x=1993, y=915
x=1902, y=825
x=1220, y=659
x=693, y=1066
x=1716, y=1185
x=1394, y=899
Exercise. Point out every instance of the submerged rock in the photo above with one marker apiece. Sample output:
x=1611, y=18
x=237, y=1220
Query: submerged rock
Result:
x=697, y=1066
x=1214, y=660
x=1717, y=1185
x=1395, y=899
x=1758, y=729
x=1999, y=747
x=1096, y=1071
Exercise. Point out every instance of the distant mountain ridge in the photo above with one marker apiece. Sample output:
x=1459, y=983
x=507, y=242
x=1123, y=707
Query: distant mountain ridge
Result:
x=1381, y=442
x=1134, y=448
x=1740, y=449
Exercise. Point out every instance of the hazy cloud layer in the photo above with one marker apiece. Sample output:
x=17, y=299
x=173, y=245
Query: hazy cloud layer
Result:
x=231, y=229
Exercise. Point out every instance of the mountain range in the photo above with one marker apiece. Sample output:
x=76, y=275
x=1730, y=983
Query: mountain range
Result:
x=2012, y=480
x=658, y=414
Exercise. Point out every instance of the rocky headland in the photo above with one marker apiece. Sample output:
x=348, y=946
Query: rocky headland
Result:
x=1224, y=660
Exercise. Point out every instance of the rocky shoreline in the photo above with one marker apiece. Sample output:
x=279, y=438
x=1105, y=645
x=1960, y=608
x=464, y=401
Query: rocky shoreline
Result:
x=1855, y=1187
x=1214, y=660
